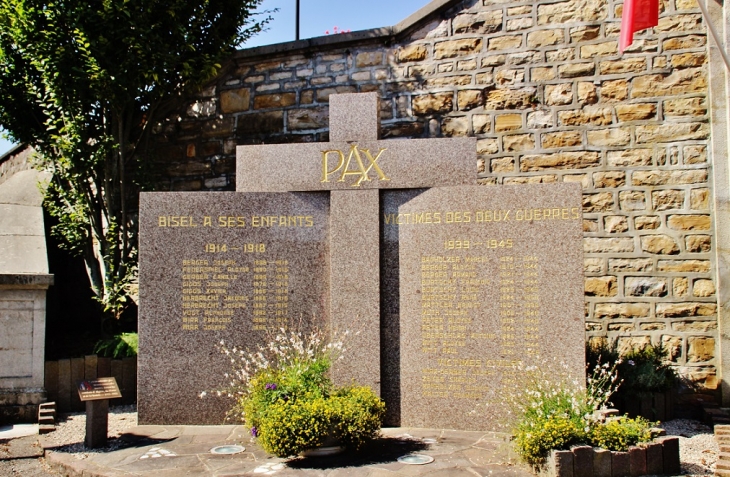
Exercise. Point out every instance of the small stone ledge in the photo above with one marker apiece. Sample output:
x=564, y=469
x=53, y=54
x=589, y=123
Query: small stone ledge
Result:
x=20, y=405
x=659, y=457
x=25, y=281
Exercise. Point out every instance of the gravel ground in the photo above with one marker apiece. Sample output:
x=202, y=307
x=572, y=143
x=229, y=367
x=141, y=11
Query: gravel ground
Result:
x=71, y=430
x=697, y=446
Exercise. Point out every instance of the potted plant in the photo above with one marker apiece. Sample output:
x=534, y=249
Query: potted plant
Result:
x=283, y=393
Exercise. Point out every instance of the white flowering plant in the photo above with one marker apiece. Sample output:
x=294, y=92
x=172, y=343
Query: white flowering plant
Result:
x=556, y=411
x=283, y=393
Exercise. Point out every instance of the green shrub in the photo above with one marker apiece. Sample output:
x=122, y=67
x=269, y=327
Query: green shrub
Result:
x=123, y=345
x=288, y=427
x=555, y=432
x=284, y=394
x=351, y=417
x=555, y=412
x=360, y=414
x=618, y=435
x=550, y=413
x=642, y=370
x=646, y=370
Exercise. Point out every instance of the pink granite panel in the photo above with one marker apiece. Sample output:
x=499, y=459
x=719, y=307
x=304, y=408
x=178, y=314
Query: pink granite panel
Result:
x=360, y=164
x=355, y=279
x=221, y=266
x=489, y=278
x=354, y=116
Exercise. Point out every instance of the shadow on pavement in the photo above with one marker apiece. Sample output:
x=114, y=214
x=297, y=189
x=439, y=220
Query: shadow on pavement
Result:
x=381, y=451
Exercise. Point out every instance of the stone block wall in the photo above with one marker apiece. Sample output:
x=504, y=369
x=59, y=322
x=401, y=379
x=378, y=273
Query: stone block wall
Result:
x=542, y=87
x=14, y=161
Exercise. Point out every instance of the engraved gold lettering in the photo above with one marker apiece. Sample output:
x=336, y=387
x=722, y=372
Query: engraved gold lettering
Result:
x=374, y=165
x=360, y=171
x=361, y=168
x=325, y=172
x=175, y=221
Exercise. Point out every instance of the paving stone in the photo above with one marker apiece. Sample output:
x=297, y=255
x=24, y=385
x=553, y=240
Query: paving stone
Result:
x=637, y=461
x=582, y=460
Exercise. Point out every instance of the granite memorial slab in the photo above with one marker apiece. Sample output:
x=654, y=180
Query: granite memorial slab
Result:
x=478, y=281
x=221, y=266
x=449, y=289
x=353, y=165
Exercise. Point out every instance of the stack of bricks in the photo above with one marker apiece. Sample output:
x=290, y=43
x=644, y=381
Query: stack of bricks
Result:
x=660, y=457
x=542, y=87
x=722, y=436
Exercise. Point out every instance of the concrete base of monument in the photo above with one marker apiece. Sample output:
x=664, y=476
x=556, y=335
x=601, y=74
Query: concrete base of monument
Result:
x=185, y=450
x=20, y=405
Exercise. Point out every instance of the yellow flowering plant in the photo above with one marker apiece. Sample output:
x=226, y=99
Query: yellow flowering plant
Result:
x=556, y=411
x=283, y=393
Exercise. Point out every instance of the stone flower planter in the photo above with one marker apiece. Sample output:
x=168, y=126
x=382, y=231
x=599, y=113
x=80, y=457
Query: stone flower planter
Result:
x=659, y=457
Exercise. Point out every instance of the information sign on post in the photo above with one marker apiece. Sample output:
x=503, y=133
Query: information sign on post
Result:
x=96, y=393
x=100, y=388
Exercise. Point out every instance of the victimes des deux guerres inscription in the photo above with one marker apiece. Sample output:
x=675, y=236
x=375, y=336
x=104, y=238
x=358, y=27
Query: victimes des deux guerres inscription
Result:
x=490, y=280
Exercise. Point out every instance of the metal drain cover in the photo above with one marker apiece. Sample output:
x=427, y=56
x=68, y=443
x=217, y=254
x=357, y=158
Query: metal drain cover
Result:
x=415, y=459
x=227, y=450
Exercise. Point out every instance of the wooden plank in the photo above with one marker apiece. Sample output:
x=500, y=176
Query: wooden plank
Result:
x=51, y=380
x=104, y=367
x=77, y=374
x=660, y=407
x=90, y=364
x=646, y=407
x=133, y=394
x=116, y=373
x=129, y=379
x=64, y=385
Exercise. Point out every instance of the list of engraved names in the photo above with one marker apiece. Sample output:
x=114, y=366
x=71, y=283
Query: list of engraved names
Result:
x=479, y=295
x=231, y=279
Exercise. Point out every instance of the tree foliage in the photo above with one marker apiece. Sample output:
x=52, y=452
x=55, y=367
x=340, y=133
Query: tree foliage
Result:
x=83, y=82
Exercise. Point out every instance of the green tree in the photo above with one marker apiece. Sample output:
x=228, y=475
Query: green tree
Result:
x=84, y=82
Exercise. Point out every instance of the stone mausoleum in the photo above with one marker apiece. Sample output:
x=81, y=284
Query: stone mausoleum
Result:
x=24, y=279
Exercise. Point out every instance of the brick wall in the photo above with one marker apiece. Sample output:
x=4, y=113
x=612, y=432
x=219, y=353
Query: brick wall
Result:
x=542, y=87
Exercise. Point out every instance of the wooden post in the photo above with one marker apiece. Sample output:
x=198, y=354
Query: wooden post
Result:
x=96, y=394
x=97, y=423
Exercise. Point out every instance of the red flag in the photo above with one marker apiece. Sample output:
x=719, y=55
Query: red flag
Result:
x=638, y=15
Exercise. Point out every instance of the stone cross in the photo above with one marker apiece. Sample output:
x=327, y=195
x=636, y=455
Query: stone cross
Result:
x=353, y=166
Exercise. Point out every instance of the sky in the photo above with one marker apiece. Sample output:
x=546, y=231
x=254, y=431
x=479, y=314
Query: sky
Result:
x=319, y=16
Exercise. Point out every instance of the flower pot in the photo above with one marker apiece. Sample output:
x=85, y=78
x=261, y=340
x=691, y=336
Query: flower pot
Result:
x=322, y=451
x=330, y=446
